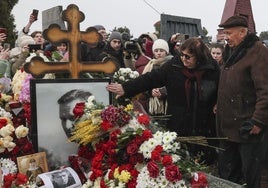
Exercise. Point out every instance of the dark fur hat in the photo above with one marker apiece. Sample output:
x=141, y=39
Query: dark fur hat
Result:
x=234, y=21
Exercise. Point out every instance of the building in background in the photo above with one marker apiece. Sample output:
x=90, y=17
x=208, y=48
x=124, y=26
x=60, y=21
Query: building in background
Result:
x=237, y=7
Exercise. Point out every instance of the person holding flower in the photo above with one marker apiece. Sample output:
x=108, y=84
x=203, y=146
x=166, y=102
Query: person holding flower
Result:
x=155, y=101
x=191, y=80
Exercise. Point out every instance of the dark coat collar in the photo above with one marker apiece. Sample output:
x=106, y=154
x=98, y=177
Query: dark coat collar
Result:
x=234, y=55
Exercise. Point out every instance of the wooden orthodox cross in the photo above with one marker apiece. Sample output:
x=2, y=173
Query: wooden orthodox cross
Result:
x=54, y=34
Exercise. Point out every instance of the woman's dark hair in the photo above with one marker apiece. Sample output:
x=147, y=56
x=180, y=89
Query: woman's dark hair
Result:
x=198, y=48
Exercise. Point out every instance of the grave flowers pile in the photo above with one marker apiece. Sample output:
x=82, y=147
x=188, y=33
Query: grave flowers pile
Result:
x=122, y=150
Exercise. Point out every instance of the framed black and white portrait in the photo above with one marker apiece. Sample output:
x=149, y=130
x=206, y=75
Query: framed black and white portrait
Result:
x=52, y=102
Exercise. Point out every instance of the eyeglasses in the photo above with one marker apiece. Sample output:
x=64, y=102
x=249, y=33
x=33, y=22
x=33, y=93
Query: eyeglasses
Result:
x=186, y=56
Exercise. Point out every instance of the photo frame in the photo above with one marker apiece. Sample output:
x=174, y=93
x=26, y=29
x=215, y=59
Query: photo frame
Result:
x=33, y=165
x=65, y=178
x=52, y=103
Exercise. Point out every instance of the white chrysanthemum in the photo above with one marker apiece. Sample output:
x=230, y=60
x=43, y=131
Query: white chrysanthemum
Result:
x=158, y=135
x=148, y=146
x=175, y=146
x=169, y=137
x=167, y=147
x=134, y=124
x=90, y=102
x=8, y=166
x=21, y=131
x=145, y=181
x=178, y=184
x=175, y=158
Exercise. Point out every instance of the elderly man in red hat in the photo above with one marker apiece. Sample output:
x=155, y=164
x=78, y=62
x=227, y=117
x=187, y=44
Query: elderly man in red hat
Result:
x=242, y=107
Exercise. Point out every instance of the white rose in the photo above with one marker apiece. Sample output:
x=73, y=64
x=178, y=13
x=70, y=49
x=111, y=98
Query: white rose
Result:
x=2, y=148
x=10, y=146
x=128, y=70
x=21, y=131
x=6, y=130
x=136, y=73
x=122, y=78
x=7, y=142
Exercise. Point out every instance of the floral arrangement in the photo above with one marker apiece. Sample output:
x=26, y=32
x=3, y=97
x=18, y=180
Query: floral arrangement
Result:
x=123, y=151
x=14, y=140
x=124, y=75
x=12, y=179
x=121, y=76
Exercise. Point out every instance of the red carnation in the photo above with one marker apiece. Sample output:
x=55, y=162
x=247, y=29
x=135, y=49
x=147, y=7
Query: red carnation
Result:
x=106, y=125
x=144, y=119
x=8, y=179
x=132, y=149
x=172, y=173
x=146, y=134
x=21, y=179
x=102, y=184
x=153, y=169
x=167, y=160
x=156, y=153
x=79, y=109
x=199, y=180
x=3, y=122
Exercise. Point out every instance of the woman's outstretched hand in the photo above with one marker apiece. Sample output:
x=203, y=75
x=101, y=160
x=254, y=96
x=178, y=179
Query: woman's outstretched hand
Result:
x=116, y=88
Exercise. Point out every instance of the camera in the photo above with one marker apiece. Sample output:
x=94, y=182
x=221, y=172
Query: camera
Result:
x=131, y=46
x=34, y=47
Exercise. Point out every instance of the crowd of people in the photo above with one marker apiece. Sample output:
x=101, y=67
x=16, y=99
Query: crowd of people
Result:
x=211, y=90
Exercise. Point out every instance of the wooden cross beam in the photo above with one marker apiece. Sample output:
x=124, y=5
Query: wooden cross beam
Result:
x=54, y=34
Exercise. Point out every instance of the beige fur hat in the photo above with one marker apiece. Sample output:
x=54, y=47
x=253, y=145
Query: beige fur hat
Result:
x=25, y=40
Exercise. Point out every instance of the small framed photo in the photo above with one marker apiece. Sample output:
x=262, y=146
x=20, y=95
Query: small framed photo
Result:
x=33, y=165
x=52, y=103
x=63, y=178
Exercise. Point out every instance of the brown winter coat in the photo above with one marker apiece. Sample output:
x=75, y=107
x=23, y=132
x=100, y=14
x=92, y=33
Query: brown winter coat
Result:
x=243, y=89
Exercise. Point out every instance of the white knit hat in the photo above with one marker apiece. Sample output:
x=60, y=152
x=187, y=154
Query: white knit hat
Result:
x=161, y=44
x=25, y=40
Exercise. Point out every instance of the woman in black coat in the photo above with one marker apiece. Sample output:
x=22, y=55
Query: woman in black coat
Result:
x=191, y=81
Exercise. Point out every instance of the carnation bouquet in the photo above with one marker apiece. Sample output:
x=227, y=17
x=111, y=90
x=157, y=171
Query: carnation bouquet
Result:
x=123, y=151
x=12, y=179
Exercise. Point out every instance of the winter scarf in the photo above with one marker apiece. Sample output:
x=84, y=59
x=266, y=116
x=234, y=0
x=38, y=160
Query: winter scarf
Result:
x=191, y=76
x=158, y=62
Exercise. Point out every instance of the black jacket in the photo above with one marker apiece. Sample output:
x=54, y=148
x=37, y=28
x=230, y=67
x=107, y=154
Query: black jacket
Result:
x=196, y=119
